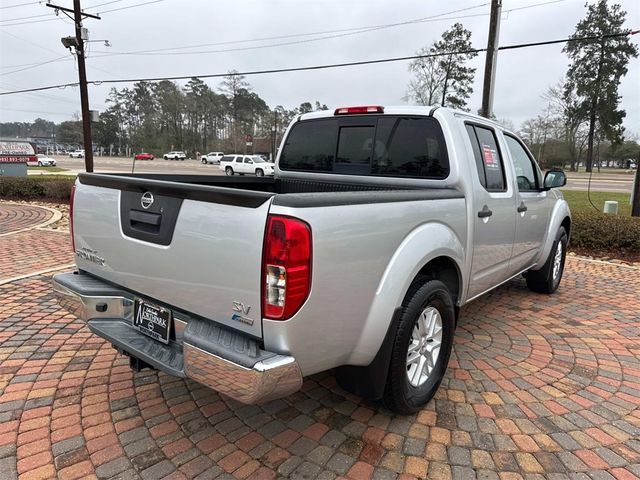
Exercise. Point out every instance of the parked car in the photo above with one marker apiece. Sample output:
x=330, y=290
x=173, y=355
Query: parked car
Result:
x=176, y=155
x=246, y=164
x=77, y=154
x=45, y=161
x=212, y=157
x=143, y=156
x=380, y=224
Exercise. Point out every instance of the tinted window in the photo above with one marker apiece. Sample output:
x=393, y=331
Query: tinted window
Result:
x=238, y=159
x=310, y=146
x=393, y=146
x=410, y=147
x=247, y=160
x=491, y=159
x=227, y=158
x=523, y=165
x=354, y=145
x=477, y=155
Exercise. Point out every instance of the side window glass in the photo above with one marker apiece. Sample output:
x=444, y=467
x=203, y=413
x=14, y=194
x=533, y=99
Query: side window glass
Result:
x=523, y=166
x=491, y=159
x=477, y=155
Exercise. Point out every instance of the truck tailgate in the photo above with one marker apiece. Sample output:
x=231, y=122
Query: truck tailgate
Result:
x=195, y=248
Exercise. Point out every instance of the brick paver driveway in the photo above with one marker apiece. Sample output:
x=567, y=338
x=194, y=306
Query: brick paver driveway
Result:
x=537, y=387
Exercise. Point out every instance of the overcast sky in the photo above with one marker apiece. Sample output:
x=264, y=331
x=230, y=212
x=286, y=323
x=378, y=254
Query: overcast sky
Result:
x=523, y=75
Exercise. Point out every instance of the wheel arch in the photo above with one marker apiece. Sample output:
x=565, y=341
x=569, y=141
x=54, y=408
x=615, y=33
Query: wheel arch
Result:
x=409, y=266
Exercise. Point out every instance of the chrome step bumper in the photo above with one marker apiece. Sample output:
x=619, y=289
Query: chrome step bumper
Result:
x=221, y=359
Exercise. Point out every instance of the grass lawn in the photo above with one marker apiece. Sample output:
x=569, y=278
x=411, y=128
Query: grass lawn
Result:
x=46, y=169
x=578, y=200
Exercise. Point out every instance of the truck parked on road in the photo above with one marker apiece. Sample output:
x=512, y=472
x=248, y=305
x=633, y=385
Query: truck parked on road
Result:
x=380, y=223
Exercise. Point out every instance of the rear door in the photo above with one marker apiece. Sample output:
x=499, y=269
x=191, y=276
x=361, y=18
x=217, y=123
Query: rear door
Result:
x=190, y=247
x=494, y=212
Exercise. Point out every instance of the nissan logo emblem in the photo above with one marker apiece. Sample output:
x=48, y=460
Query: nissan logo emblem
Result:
x=147, y=200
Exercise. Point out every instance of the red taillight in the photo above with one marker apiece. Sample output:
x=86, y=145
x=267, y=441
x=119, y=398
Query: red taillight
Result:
x=366, y=109
x=71, y=197
x=286, y=267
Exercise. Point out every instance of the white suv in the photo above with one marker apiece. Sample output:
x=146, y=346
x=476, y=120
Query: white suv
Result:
x=212, y=157
x=251, y=164
x=77, y=154
x=176, y=155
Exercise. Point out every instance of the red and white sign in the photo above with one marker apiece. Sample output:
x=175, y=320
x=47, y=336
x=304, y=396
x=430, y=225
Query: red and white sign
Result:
x=17, y=152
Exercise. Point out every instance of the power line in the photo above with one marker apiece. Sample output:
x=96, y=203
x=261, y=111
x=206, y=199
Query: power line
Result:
x=4, y=7
x=33, y=66
x=58, y=18
x=130, y=6
x=325, y=66
x=307, y=34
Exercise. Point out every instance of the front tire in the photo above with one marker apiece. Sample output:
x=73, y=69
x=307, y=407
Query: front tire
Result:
x=228, y=171
x=547, y=279
x=259, y=173
x=39, y=164
x=421, y=347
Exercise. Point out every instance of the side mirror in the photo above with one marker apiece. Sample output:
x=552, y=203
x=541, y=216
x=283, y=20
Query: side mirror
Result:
x=554, y=179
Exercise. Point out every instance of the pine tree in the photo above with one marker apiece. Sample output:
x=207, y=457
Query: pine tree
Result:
x=444, y=79
x=597, y=65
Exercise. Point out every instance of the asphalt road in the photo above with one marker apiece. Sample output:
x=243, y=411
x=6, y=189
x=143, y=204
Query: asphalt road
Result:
x=604, y=182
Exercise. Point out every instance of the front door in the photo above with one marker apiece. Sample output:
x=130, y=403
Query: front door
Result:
x=532, y=209
x=494, y=213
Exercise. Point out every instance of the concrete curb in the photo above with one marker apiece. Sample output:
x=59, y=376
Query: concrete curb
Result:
x=57, y=215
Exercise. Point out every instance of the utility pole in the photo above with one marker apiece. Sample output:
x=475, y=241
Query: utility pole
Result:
x=78, y=16
x=491, y=59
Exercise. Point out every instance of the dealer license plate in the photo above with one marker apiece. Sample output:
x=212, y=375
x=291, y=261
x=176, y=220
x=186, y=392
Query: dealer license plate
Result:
x=152, y=320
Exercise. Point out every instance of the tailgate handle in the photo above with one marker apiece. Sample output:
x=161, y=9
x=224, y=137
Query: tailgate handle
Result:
x=136, y=216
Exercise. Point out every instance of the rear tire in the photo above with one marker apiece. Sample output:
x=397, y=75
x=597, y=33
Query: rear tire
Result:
x=547, y=279
x=421, y=347
x=228, y=171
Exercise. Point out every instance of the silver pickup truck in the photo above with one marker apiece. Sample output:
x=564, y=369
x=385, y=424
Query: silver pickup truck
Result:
x=380, y=223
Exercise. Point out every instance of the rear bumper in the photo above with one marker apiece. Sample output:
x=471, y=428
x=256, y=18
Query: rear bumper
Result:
x=221, y=359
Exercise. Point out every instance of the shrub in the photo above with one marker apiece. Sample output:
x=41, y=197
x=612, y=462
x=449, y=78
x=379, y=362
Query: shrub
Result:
x=598, y=231
x=41, y=187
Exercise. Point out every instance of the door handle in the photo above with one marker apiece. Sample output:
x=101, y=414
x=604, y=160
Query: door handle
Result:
x=485, y=212
x=522, y=208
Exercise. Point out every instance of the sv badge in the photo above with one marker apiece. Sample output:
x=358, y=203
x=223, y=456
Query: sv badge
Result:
x=241, y=308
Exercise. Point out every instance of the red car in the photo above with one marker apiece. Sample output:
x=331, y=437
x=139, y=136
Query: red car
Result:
x=143, y=156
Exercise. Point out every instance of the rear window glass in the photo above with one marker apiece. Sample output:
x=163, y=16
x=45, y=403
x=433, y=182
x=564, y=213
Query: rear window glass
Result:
x=227, y=158
x=310, y=146
x=368, y=145
x=411, y=147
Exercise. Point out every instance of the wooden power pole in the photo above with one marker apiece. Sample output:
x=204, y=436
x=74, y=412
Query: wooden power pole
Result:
x=635, y=196
x=491, y=59
x=78, y=16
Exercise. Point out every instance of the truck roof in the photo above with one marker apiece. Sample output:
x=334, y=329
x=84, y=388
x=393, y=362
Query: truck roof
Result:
x=405, y=110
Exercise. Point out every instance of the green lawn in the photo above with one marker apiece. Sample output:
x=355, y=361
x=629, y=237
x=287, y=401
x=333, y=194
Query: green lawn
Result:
x=47, y=169
x=578, y=200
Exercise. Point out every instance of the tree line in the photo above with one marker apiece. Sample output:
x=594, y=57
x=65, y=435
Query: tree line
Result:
x=161, y=116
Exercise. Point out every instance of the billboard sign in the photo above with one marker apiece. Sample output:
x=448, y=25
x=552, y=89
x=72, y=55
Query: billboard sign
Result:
x=17, y=152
